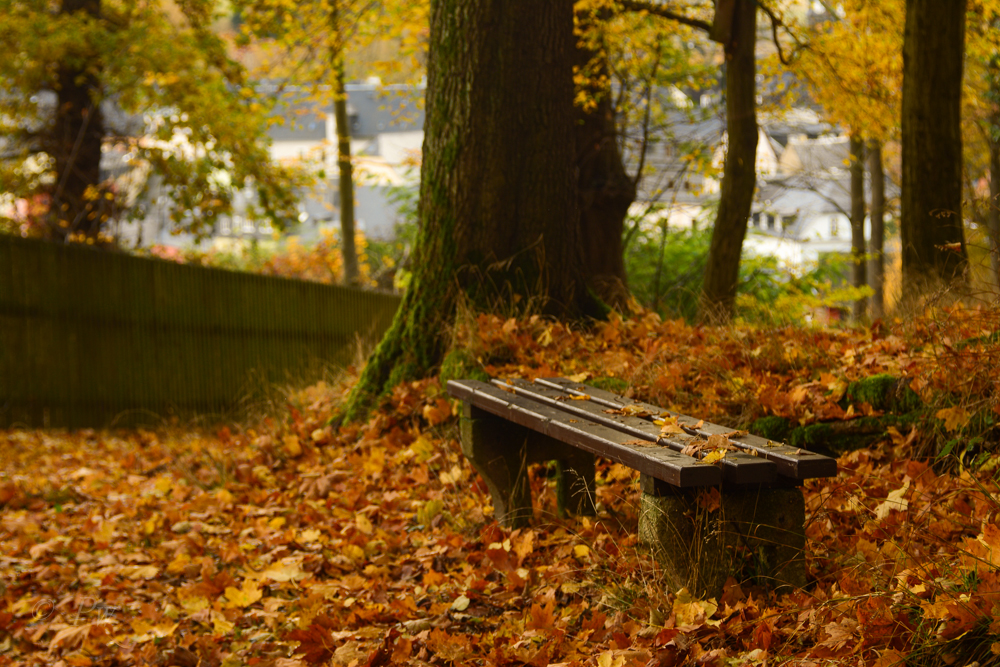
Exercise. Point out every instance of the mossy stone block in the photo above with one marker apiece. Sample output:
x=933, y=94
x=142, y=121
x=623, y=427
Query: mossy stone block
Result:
x=501, y=452
x=884, y=392
x=771, y=427
x=703, y=536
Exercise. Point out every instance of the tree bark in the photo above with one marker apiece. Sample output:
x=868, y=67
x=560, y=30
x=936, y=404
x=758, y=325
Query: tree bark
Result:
x=859, y=272
x=499, y=216
x=77, y=208
x=605, y=190
x=877, y=249
x=933, y=238
x=739, y=174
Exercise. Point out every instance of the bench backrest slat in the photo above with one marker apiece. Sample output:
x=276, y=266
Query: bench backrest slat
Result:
x=792, y=462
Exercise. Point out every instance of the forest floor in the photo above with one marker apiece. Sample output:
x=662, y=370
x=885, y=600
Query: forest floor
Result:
x=292, y=543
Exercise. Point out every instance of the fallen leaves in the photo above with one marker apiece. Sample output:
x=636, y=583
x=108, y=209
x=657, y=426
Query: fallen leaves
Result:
x=296, y=543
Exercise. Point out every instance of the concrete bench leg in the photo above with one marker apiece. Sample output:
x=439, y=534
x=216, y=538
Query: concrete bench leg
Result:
x=501, y=451
x=699, y=543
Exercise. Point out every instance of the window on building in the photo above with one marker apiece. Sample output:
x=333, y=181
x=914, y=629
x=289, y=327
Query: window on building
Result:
x=755, y=220
x=770, y=221
x=787, y=221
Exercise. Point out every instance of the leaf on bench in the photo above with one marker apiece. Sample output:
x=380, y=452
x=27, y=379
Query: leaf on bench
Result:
x=714, y=457
x=571, y=397
x=714, y=443
x=629, y=411
x=641, y=443
x=669, y=426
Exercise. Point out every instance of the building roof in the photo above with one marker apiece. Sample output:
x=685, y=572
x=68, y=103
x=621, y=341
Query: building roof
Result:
x=828, y=155
x=372, y=109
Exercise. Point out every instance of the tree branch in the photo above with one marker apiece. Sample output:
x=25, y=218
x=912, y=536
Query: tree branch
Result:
x=775, y=22
x=663, y=12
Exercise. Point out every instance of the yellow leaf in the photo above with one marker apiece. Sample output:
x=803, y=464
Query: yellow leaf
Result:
x=579, y=377
x=105, y=533
x=146, y=631
x=135, y=572
x=363, y=524
x=690, y=611
x=354, y=552
x=194, y=604
x=895, y=501
x=180, y=561
x=292, y=445
x=609, y=659
x=453, y=476
x=713, y=457
x=220, y=624
x=375, y=462
x=954, y=418
x=581, y=551
x=243, y=597
x=286, y=570
x=276, y=523
x=311, y=535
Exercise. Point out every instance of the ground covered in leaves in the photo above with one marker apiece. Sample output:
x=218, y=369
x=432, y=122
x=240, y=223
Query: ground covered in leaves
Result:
x=295, y=543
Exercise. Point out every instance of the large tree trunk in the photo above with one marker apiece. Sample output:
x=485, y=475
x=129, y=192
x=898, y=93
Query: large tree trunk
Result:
x=859, y=270
x=75, y=143
x=877, y=174
x=499, y=217
x=604, y=187
x=931, y=227
x=993, y=141
x=993, y=206
x=739, y=175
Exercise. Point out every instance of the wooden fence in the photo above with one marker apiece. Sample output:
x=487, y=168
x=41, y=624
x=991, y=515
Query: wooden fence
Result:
x=96, y=338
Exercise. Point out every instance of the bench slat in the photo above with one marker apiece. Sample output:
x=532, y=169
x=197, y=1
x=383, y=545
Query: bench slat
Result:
x=737, y=467
x=795, y=463
x=659, y=462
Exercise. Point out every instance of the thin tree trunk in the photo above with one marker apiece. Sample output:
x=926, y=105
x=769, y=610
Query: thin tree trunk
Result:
x=859, y=270
x=77, y=207
x=345, y=167
x=739, y=175
x=933, y=238
x=498, y=212
x=877, y=216
x=348, y=251
x=605, y=189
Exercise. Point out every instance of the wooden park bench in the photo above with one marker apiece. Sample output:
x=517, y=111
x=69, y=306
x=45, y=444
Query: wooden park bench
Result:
x=714, y=502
